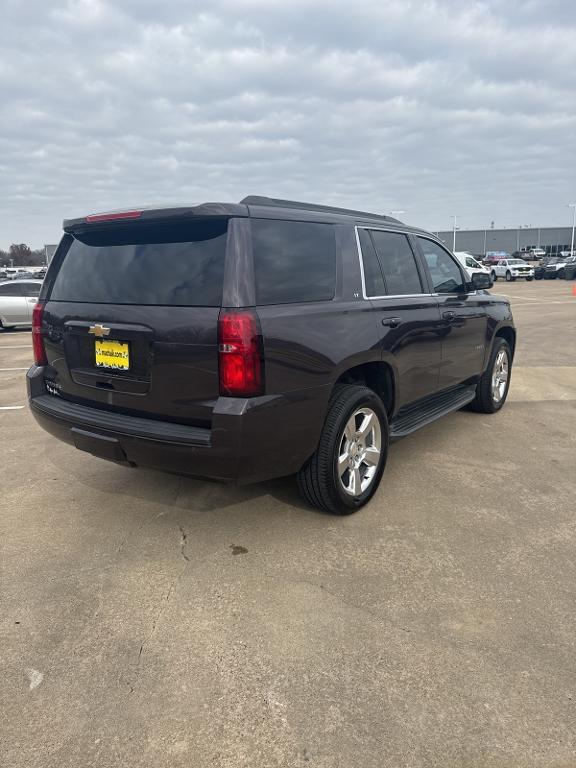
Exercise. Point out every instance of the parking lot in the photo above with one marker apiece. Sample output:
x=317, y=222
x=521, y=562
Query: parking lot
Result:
x=151, y=620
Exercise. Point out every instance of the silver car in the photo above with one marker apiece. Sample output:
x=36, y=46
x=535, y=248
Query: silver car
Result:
x=17, y=300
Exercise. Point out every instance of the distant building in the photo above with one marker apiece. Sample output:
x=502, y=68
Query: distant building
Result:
x=480, y=241
x=49, y=251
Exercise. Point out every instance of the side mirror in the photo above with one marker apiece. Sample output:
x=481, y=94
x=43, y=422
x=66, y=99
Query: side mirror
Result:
x=480, y=281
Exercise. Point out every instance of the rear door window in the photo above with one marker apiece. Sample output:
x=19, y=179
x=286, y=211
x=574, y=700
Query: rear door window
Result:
x=30, y=289
x=294, y=261
x=176, y=264
x=397, y=263
x=373, y=280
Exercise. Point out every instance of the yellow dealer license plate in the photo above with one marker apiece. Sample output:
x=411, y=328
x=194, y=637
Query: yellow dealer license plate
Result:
x=112, y=354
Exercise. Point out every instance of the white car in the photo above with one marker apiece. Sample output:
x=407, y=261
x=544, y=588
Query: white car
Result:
x=512, y=269
x=535, y=253
x=17, y=300
x=470, y=264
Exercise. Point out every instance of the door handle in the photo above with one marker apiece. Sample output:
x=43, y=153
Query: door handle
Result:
x=449, y=315
x=391, y=322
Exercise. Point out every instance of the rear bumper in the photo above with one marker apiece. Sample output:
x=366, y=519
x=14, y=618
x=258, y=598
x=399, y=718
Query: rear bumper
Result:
x=251, y=439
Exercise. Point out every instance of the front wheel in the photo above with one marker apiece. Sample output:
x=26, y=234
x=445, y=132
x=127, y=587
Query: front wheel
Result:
x=345, y=471
x=529, y=279
x=492, y=389
x=561, y=274
x=508, y=277
x=494, y=276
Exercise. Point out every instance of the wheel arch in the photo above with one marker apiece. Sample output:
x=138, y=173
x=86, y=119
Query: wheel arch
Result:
x=377, y=375
x=507, y=333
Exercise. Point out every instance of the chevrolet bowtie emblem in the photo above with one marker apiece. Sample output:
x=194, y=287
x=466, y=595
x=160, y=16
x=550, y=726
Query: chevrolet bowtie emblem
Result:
x=99, y=330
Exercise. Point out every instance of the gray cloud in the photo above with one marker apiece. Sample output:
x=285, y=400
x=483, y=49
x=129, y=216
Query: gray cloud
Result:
x=436, y=107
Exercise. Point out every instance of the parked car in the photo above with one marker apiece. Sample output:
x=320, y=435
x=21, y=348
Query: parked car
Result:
x=470, y=264
x=534, y=254
x=556, y=268
x=539, y=271
x=15, y=273
x=512, y=269
x=241, y=342
x=493, y=257
x=17, y=299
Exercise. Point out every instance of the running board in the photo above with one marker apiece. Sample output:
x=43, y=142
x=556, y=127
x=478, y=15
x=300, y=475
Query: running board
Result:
x=416, y=416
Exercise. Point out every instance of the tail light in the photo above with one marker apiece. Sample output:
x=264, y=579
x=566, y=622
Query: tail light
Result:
x=239, y=346
x=37, y=338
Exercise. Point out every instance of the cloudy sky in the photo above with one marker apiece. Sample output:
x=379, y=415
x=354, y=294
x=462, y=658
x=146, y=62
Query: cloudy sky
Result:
x=433, y=107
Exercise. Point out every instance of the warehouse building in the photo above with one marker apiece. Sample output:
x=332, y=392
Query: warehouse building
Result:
x=481, y=241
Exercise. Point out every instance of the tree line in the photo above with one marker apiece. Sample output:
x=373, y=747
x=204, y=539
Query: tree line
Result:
x=22, y=256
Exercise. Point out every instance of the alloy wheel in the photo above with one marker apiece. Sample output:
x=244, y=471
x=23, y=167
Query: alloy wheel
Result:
x=359, y=452
x=500, y=374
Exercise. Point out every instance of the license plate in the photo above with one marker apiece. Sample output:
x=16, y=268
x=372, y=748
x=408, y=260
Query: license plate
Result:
x=112, y=354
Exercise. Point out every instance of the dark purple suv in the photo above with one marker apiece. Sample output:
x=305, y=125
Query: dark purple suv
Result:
x=241, y=342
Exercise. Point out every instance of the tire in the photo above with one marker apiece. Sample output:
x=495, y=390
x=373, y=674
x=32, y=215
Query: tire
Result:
x=508, y=276
x=485, y=400
x=319, y=480
x=561, y=274
x=494, y=276
x=529, y=279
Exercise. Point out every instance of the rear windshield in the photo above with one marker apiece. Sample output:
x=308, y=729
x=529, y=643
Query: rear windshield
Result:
x=161, y=264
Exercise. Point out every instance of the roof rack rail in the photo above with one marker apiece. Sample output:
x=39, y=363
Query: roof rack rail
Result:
x=277, y=203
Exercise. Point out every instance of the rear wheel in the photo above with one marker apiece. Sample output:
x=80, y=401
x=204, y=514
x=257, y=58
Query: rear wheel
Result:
x=494, y=276
x=492, y=389
x=345, y=471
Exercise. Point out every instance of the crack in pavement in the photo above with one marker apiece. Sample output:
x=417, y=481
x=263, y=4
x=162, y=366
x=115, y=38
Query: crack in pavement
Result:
x=183, y=540
x=164, y=605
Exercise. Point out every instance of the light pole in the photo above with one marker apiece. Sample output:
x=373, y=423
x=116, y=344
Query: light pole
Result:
x=520, y=226
x=454, y=228
x=573, y=205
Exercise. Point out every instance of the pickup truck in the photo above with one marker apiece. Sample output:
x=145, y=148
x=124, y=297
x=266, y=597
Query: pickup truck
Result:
x=557, y=268
x=512, y=269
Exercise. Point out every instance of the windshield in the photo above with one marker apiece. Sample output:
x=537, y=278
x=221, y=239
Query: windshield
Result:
x=517, y=262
